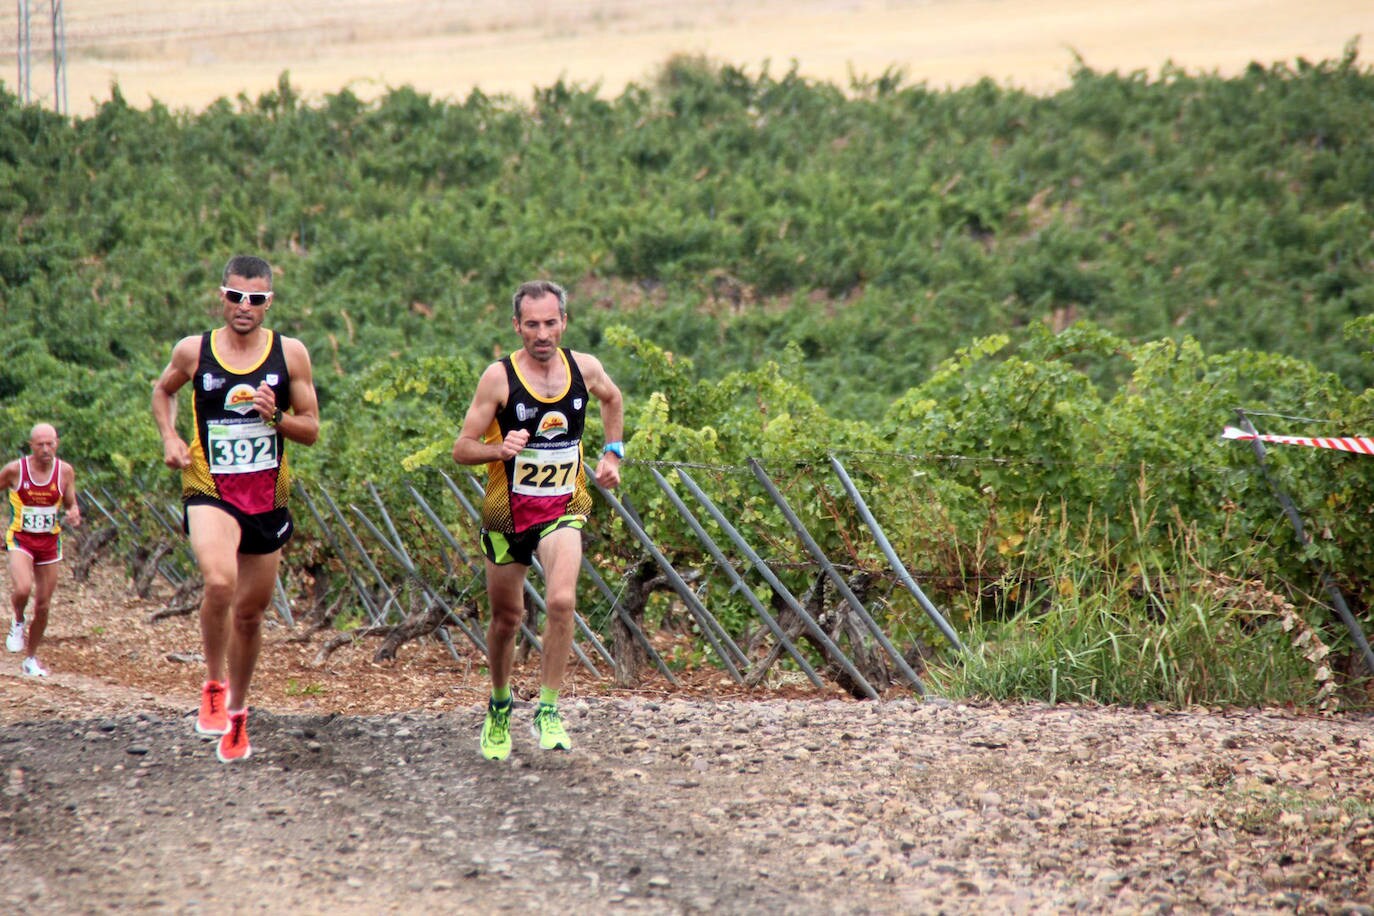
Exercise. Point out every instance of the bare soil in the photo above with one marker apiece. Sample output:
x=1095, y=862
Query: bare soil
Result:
x=366, y=793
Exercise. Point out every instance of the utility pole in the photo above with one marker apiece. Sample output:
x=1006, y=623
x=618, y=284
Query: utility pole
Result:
x=25, y=88
x=59, y=58
x=24, y=45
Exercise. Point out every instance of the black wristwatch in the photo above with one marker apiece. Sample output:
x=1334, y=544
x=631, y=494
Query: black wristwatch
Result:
x=276, y=417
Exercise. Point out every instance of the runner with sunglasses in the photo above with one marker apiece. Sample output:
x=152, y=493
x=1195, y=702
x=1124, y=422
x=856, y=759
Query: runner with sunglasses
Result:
x=252, y=390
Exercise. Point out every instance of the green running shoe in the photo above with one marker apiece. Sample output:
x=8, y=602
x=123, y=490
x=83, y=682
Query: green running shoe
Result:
x=548, y=728
x=496, y=731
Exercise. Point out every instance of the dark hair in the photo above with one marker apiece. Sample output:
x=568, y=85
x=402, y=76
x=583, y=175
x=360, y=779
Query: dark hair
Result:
x=537, y=289
x=248, y=267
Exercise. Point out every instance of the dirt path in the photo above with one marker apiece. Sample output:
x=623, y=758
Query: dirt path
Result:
x=366, y=794
x=187, y=53
x=698, y=807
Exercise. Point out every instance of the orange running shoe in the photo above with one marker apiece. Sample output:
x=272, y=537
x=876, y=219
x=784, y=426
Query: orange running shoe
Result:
x=212, y=720
x=233, y=745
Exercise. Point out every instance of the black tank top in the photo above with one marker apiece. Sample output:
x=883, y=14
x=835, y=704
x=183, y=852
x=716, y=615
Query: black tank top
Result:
x=546, y=481
x=235, y=456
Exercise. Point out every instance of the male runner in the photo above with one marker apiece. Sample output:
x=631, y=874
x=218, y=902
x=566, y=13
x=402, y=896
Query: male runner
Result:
x=525, y=424
x=253, y=390
x=39, y=483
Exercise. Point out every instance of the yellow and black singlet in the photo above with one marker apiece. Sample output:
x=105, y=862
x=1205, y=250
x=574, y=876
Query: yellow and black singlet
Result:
x=235, y=456
x=546, y=481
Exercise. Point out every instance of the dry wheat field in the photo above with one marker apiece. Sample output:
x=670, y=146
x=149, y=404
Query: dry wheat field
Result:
x=188, y=53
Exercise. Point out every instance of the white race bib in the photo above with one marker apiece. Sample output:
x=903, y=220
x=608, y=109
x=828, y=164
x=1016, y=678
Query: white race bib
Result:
x=546, y=471
x=38, y=519
x=241, y=447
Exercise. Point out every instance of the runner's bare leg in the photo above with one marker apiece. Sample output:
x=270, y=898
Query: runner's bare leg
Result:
x=560, y=553
x=257, y=579
x=215, y=542
x=44, y=584
x=21, y=582
x=506, y=591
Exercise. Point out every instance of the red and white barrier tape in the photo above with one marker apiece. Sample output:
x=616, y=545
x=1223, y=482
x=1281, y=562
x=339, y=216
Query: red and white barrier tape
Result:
x=1363, y=445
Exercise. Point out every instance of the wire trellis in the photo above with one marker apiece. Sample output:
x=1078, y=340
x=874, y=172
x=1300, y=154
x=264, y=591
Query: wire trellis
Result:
x=415, y=546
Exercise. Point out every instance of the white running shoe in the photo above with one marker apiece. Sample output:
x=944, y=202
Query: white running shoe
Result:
x=15, y=641
x=32, y=668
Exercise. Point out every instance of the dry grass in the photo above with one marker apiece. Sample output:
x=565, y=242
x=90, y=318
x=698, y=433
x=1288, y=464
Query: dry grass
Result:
x=187, y=53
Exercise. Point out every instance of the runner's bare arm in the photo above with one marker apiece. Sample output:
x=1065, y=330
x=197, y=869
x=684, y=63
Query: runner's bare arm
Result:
x=67, y=478
x=9, y=476
x=471, y=446
x=606, y=392
x=175, y=453
x=302, y=424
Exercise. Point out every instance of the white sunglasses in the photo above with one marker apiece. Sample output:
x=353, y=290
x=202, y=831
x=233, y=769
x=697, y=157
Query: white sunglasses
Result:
x=237, y=295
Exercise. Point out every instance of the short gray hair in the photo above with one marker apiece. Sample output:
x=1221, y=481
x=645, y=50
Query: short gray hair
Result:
x=537, y=289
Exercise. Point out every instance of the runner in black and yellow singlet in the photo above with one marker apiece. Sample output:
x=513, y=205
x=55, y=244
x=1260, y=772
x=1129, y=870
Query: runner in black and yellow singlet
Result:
x=546, y=480
x=525, y=424
x=253, y=391
x=235, y=456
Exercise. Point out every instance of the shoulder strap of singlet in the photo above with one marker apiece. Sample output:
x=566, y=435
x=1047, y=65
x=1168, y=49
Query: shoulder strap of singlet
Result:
x=574, y=370
x=512, y=377
x=25, y=473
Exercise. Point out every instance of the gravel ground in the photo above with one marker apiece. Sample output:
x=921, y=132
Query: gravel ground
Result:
x=693, y=806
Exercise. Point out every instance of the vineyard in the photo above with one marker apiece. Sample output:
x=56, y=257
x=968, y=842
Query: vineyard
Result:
x=1016, y=325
